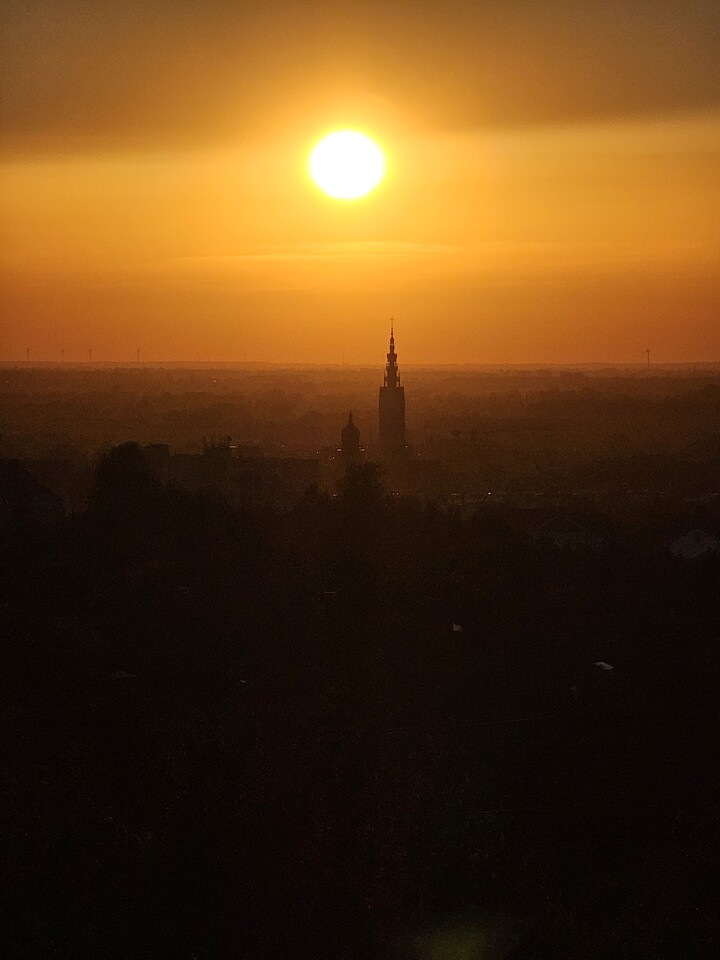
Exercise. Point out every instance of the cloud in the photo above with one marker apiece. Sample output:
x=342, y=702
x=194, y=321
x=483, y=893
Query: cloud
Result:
x=83, y=76
x=322, y=251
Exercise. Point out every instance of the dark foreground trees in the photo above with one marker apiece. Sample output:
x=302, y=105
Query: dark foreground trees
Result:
x=364, y=727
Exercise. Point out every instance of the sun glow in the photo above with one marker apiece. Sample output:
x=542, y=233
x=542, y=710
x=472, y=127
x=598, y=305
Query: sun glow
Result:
x=347, y=165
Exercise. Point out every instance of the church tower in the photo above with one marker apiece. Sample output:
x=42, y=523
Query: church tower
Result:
x=392, y=407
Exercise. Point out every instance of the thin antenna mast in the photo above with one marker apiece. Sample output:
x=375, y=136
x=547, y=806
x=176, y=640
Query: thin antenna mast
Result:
x=646, y=353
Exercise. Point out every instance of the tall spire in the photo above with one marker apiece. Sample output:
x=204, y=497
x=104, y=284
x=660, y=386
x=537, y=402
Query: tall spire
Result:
x=391, y=407
x=392, y=377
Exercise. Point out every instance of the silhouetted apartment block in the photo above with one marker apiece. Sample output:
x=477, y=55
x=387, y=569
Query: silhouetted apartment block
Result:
x=236, y=479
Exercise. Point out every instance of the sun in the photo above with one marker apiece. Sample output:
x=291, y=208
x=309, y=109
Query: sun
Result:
x=347, y=165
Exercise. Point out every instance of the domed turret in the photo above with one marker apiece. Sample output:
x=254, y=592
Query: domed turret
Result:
x=350, y=437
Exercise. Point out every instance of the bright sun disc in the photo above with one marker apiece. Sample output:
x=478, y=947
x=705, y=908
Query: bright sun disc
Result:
x=347, y=165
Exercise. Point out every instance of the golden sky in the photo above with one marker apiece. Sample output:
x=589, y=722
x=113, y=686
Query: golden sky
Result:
x=552, y=195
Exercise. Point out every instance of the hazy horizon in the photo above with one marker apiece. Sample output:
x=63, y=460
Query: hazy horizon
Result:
x=211, y=364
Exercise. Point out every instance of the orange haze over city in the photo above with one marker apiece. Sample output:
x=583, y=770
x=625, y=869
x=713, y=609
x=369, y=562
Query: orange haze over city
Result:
x=551, y=194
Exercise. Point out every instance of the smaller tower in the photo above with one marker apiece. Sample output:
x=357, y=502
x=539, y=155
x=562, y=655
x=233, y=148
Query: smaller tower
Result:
x=350, y=441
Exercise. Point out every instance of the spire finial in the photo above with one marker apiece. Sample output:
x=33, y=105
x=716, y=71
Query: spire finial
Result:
x=392, y=378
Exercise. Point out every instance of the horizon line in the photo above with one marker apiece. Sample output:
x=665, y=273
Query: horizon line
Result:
x=344, y=365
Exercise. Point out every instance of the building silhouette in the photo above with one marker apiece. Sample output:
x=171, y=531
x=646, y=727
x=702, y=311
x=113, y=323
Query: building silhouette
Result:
x=225, y=472
x=350, y=442
x=392, y=407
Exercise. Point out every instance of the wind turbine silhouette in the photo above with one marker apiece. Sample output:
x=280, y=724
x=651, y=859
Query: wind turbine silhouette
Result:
x=646, y=353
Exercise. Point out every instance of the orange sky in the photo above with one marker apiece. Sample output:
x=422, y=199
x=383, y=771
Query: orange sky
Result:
x=546, y=201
